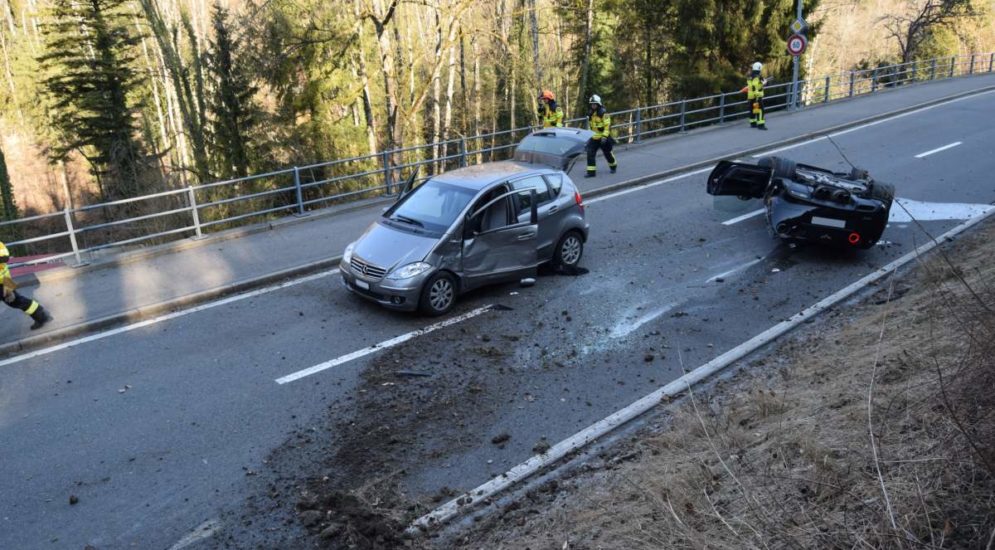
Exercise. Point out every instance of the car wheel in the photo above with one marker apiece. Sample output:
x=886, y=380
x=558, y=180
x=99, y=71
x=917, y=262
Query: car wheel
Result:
x=781, y=167
x=858, y=174
x=884, y=192
x=569, y=250
x=438, y=295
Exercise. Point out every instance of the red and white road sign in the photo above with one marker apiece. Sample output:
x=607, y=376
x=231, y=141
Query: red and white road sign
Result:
x=796, y=44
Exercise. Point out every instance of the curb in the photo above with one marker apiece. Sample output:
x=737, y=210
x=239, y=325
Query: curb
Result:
x=145, y=312
x=486, y=492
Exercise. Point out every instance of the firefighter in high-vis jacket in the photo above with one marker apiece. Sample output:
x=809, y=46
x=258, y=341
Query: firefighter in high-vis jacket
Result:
x=599, y=121
x=755, y=96
x=550, y=113
x=15, y=300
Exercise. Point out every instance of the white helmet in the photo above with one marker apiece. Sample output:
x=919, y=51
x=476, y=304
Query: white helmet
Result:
x=758, y=66
x=595, y=99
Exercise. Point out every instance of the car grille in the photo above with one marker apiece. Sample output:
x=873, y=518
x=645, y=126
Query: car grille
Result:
x=366, y=268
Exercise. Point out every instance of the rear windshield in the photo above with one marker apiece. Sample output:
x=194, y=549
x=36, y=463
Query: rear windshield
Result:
x=547, y=144
x=433, y=206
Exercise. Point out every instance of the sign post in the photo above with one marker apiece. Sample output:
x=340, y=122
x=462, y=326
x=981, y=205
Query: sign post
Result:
x=798, y=27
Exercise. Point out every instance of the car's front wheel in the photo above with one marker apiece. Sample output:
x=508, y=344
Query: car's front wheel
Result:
x=438, y=295
x=569, y=250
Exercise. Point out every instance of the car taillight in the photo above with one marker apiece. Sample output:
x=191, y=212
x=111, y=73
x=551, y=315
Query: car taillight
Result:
x=579, y=200
x=854, y=238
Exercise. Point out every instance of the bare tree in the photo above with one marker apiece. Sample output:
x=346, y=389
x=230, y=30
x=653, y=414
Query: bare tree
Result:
x=912, y=27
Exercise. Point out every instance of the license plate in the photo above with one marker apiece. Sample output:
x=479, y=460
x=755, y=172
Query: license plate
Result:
x=362, y=284
x=828, y=222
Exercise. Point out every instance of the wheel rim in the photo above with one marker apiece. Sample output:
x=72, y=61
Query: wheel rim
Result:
x=570, y=251
x=440, y=295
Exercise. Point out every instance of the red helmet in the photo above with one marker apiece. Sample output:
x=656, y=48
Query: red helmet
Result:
x=546, y=94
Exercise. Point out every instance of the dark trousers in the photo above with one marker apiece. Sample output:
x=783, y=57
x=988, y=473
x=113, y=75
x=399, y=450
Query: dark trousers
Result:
x=606, y=144
x=20, y=302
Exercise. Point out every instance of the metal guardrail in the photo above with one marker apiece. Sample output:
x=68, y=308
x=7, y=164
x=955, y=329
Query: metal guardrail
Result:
x=196, y=209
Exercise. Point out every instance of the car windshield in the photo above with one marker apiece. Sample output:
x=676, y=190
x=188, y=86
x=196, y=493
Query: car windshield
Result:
x=433, y=206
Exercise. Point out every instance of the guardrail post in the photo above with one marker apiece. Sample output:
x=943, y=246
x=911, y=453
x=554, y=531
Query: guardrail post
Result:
x=722, y=107
x=915, y=70
x=874, y=81
x=852, y=77
x=639, y=124
x=385, y=158
x=299, y=191
x=991, y=61
x=684, y=110
x=462, y=151
x=825, y=98
x=953, y=63
x=932, y=70
x=192, y=199
x=72, y=237
x=970, y=70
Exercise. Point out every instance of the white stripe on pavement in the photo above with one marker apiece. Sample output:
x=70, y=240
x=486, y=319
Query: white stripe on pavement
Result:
x=381, y=346
x=744, y=217
x=938, y=149
x=167, y=317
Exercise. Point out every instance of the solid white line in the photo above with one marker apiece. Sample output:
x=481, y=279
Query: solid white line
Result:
x=938, y=149
x=734, y=270
x=167, y=317
x=648, y=185
x=869, y=124
x=593, y=432
x=743, y=217
x=381, y=346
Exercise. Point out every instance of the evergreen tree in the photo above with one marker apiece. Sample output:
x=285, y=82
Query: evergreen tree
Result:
x=88, y=79
x=231, y=106
x=8, y=208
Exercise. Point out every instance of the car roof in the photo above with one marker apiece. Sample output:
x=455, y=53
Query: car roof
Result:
x=480, y=176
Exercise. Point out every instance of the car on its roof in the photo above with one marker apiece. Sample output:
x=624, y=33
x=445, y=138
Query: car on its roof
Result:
x=479, y=225
x=808, y=203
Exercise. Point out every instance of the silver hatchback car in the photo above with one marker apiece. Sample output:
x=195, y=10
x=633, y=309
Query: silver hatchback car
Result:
x=475, y=226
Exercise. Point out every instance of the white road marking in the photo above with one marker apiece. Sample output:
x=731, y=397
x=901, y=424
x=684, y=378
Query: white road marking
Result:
x=734, y=270
x=869, y=124
x=744, y=217
x=381, y=346
x=647, y=185
x=202, y=531
x=167, y=317
x=907, y=209
x=938, y=149
x=606, y=425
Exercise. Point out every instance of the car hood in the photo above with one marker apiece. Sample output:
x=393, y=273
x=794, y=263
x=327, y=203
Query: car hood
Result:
x=389, y=248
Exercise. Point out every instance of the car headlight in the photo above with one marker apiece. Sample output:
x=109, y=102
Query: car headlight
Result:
x=347, y=255
x=409, y=271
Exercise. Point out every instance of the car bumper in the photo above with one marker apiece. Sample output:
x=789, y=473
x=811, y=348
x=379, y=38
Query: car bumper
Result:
x=399, y=295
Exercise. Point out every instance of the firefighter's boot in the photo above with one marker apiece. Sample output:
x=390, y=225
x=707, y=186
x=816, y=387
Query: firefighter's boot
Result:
x=41, y=317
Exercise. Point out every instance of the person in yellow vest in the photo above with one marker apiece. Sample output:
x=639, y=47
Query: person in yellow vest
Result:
x=755, y=96
x=599, y=121
x=550, y=113
x=15, y=300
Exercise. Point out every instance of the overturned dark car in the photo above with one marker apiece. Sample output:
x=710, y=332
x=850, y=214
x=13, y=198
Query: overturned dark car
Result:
x=807, y=203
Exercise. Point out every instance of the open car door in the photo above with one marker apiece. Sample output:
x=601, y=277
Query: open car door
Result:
x=554, y=147
x=497, y=247
x=739, y=179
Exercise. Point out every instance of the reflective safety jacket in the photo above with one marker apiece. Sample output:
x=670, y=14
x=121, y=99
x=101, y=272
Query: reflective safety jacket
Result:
x=552, y=115
x=5, y=279
x=755, y=87
x=600, y=123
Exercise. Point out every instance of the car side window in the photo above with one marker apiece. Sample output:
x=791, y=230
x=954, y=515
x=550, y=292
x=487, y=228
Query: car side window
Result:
x=495, y=216
x=524, y=199
x=555, y=182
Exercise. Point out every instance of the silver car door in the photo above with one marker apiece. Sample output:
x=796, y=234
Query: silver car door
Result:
x=496, y=246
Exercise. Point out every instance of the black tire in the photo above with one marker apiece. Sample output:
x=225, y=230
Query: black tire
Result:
x=858, y=174
x=438, y=295
x=781, y=167
x=884, y=192
x=569, y=250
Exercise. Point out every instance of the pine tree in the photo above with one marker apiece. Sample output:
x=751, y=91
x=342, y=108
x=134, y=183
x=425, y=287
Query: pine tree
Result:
x=232, y=112
x=8, y=208
x=89, y=79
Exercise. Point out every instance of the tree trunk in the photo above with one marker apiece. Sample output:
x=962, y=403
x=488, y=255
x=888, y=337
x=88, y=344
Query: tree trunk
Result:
x=448, y=116
x=10, y=79
x=435, y=136
x=534, y=30
x=364, y=77
x=585, y=64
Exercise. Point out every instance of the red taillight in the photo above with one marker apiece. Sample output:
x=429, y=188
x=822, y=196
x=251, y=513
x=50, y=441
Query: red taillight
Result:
x=579, y=200
x=854, y=238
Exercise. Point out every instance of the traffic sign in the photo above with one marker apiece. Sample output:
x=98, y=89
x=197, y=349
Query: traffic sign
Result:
x=796, y=44
x=799, y=26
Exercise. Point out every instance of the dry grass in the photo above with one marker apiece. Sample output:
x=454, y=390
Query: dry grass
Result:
x=876, y=433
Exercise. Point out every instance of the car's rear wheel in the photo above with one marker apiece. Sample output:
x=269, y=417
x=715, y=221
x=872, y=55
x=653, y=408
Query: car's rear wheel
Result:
x=781, y=167
x=569, y=250
x=438, y=295
x=884, y=192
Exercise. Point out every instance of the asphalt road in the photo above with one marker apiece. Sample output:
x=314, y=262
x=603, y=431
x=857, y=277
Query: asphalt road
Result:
x=159, y=430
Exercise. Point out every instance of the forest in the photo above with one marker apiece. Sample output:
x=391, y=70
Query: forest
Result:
x=110, y=99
